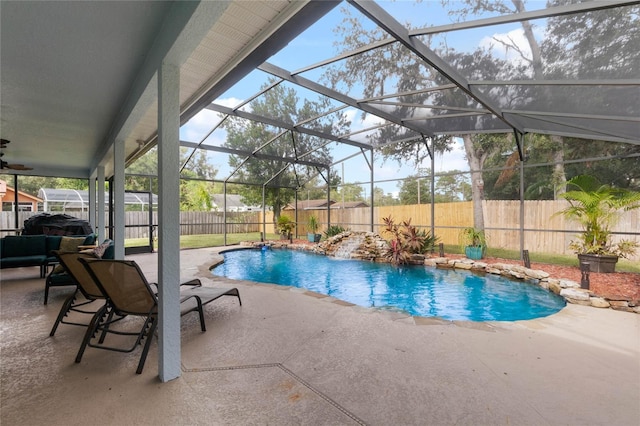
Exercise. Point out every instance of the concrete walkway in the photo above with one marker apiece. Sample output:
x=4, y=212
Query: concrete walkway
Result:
x=289, y=357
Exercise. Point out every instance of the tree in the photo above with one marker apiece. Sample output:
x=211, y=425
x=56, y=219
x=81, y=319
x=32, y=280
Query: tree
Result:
x=280, y=177
x=452, y=187
x=382, y=199
x=348, y=192
x=532, y=60
x=379, y=69
x=415, y=190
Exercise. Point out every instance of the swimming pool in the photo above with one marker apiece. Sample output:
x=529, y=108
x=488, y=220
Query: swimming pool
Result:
x=446, y=293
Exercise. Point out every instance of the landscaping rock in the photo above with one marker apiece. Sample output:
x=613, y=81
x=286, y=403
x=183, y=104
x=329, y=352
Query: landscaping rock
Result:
x=517, y=274
x=479, y=266
x=568, y=284
x=463, y=265
x=599, y=302
x=537, y=274
x=575, y=294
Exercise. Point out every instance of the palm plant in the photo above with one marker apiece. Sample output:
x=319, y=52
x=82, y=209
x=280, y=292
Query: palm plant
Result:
x=285, y=225
x=312, y=224
x=597, y=208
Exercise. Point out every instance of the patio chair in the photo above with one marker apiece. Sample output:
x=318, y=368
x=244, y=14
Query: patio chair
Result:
x=129, y=293
x=76, y=274
x=62, y=278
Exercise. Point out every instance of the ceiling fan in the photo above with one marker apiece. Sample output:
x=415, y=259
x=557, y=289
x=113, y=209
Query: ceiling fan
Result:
x=5, y=165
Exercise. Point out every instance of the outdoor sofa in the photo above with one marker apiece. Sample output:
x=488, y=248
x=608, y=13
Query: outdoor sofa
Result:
x=18, y=251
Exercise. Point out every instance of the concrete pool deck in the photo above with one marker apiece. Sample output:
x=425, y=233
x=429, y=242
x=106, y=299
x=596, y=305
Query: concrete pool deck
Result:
x=292, y=357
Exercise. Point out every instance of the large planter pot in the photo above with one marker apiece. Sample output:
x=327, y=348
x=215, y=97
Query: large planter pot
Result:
x=599, y=262
x=313, y=238
x=473, y=252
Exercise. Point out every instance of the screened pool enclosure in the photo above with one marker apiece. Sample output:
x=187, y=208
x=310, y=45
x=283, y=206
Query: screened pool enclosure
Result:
x=451, y=113
x=432, y=105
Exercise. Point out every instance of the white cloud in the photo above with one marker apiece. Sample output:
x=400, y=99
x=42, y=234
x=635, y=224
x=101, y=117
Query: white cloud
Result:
x=453, y=160
x=202, y=123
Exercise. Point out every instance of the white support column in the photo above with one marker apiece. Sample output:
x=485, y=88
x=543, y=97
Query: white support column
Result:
x=169, y=221
x=118, y=198
x=101, y=205
x=92, y=202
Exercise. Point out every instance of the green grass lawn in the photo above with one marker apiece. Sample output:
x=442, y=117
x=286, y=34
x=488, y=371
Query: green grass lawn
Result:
x=205, y=240
x=217, y=240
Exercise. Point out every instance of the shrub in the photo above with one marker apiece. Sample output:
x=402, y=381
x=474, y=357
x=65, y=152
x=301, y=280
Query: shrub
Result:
x=406, y=240
x=334, y=230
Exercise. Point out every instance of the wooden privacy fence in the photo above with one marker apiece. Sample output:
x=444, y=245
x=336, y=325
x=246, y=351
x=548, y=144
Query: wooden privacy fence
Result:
x=544, y=231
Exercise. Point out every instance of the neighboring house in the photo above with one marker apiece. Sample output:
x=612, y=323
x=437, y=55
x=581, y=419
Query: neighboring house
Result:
x=26, y=202
x=234, y=203
x=322, y=205
x=310, y=205
x=349, y=205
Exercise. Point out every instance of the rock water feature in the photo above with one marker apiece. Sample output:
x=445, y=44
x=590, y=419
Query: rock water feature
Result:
x=348, y=246
x=354, y=245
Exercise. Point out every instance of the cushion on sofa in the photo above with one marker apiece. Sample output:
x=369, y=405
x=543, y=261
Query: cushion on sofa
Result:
x=68, y=244
x=53, y=242
x=71, y=243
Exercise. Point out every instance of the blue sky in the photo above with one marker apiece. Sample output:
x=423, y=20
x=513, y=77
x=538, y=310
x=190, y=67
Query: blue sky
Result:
x=316, y=44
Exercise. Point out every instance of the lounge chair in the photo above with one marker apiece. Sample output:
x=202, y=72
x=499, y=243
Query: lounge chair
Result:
x=62, y=278
x=76, y=274
x=129, y=293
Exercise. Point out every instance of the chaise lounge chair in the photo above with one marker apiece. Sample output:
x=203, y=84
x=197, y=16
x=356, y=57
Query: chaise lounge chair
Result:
x=76, y=274
x=128, y=293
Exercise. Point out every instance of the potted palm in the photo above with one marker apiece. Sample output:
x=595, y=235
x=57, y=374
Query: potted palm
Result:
x=312, y=227
x=597, y=208
x=285, y=225
x=473, y=242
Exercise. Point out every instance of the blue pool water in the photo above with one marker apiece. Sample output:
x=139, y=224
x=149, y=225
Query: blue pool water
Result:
x=445, y=293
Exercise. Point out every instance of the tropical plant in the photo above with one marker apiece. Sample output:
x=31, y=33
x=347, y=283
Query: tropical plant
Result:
x=313, y=224
x=472, y=237
x=473, y=243
x=597, y=208
x=428, y=241
x=334, y=230
x=285, y=225
x=406, y=240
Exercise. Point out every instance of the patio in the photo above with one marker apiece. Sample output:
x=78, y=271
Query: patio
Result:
x=286, y=357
